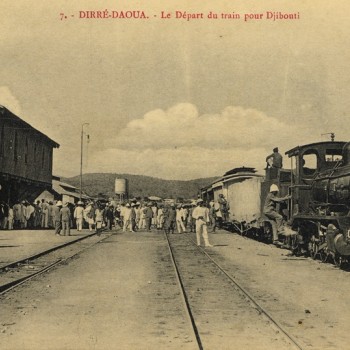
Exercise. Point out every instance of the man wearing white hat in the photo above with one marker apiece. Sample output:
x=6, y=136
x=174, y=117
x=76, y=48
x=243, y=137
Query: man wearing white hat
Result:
x=56, y=217
x=179, y=217
x=65, y=219
x=127, y=214
x=79, y=215
x=271, y=212
x=201, y=215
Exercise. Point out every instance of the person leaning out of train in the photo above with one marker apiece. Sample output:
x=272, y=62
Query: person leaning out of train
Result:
x=270, y=210
x=224, y=207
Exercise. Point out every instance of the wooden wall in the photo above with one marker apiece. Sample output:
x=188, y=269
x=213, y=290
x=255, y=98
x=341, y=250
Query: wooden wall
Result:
x=24, y=152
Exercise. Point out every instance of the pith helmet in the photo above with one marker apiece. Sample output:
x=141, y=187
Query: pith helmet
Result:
x=274, y=188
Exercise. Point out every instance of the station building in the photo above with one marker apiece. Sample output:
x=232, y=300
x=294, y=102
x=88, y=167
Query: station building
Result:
x=62, y=191
x=25, y=159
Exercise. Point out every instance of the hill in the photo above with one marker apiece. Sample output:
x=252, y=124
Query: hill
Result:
x=97, y=184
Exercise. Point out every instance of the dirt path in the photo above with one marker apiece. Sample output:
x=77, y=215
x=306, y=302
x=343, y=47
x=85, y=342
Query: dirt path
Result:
x=307, y=297
x=123, y=294
x=117, y=295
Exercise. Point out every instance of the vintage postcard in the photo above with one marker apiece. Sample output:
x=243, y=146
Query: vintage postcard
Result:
x=173, y=112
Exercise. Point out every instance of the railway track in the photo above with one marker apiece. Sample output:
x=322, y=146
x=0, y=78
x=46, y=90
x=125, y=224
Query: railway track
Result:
x=21, y=271
x=222, y=313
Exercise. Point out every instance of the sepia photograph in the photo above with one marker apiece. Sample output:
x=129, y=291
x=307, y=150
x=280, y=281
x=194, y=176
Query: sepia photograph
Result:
x=174, y=175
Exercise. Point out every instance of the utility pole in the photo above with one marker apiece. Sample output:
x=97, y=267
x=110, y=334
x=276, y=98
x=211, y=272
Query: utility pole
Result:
x=81, y=159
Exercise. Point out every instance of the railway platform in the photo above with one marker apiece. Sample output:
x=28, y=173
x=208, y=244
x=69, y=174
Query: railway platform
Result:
x=16, y=245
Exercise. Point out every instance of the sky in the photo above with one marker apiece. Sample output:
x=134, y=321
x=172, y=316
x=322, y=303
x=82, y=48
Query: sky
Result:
x=176, y=98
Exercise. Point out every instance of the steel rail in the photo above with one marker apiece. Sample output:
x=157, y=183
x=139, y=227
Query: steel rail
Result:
x=184, y=295
x=38, y=255
x=249, y=296
x=16, y=283
x=9, y=286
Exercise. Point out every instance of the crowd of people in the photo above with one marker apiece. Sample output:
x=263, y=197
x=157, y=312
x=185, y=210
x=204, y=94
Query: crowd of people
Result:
x=96, y=216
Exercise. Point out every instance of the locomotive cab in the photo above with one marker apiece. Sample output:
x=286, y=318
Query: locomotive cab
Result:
x=321, y=198
x=307, y=162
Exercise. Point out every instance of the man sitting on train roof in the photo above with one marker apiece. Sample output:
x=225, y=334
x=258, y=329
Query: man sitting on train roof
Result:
x=274, y=160
x=271, y=212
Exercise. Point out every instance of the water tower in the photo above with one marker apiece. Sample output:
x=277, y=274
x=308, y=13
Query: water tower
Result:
x=121, y=189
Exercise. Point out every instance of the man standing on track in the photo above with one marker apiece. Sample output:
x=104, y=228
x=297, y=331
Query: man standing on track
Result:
x=201, y=215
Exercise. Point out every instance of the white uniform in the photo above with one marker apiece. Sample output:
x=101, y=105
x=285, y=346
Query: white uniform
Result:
x=79, y=216
x=179, y=223
x=201, y=215
x=126, y=213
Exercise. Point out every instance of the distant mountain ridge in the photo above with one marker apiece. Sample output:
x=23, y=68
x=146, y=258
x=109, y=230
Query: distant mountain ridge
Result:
x=98, y=184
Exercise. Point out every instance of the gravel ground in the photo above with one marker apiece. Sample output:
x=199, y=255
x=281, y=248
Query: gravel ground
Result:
x=307, y=297
x=122, y=294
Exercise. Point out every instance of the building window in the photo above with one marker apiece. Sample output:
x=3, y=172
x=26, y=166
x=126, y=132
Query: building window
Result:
x=309, y=163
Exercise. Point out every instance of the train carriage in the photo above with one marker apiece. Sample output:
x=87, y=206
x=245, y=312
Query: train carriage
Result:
x=241, y=188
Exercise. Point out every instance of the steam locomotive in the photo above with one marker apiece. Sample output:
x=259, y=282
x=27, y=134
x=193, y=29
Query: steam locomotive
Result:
x=316, y=217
